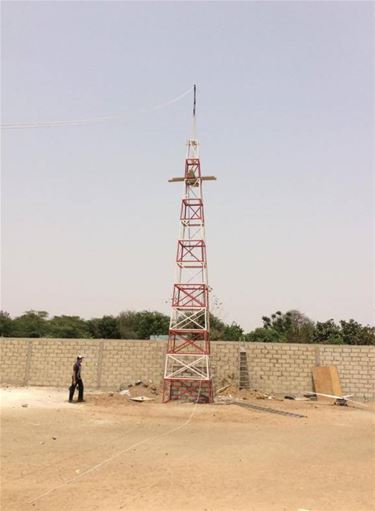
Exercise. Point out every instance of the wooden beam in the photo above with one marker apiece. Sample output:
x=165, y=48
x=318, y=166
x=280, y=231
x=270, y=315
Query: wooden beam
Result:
x=180, y=179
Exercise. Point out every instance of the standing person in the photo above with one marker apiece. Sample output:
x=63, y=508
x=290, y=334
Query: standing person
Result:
x=76, y=381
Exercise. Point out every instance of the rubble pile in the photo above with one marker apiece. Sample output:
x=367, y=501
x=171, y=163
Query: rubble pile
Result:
x=139, y=389
x=232, y=391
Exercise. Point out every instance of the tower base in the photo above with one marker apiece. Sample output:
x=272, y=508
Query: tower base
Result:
x=192, y=391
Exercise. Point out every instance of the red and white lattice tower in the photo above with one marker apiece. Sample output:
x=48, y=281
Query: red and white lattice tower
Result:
x=187, y=364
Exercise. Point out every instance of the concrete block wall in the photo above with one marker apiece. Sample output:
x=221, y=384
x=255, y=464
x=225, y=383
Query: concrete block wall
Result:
x=356, y=367
x=52, y=360
x=287, y=368
x=283, y=367
x=108, y=363
x=14, y=359
x=129, y=361
x=272, y=367
x=225, y=362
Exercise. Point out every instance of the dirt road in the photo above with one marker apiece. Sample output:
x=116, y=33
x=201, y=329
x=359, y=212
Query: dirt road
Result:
x=110, y=454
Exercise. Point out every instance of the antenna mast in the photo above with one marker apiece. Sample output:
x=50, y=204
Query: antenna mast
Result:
x=194, y=112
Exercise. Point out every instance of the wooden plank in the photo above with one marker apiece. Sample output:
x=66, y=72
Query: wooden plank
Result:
x=326, y=381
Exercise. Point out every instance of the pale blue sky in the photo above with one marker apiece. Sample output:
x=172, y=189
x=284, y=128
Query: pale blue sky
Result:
x=286, y=123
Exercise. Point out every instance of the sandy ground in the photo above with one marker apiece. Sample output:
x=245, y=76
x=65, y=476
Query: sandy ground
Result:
x=110, y=454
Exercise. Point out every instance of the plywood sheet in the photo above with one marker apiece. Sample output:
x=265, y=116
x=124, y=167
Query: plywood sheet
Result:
x=326, y=381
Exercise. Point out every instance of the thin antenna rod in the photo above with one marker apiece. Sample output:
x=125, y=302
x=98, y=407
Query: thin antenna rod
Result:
x=195, y=99
x=194, y=111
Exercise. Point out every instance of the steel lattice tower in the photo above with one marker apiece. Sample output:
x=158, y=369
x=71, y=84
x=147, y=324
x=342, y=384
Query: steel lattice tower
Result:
x=187, y=365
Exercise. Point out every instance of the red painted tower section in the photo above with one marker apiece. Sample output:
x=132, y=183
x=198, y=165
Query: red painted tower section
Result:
x=187, y=371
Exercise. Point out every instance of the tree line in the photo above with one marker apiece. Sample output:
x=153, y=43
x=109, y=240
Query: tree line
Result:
x=291, y=327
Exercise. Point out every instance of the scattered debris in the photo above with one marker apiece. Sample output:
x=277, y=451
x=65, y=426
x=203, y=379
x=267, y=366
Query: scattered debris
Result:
x=223, y=388
x=330, y=396
x=261, y=395
x=341, y=402
x=223, y=400
x=138, y=391
x=232, y=390
x=310, y=395
x=338, y=400
x=138, y=388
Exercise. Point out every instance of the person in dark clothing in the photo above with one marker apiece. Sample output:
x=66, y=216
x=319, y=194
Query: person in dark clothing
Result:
x=76, y=381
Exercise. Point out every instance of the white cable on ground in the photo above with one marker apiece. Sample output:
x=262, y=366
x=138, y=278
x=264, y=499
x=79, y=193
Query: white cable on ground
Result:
x=90, y=120
x=114, y=456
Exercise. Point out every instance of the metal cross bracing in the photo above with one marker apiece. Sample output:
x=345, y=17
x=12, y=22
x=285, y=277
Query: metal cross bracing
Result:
x=187, y=361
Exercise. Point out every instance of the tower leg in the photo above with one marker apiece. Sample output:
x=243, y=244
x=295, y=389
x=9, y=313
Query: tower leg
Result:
x=166, y=391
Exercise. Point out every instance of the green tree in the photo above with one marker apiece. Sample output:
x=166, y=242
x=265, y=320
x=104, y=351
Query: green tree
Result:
x=68, y=327
x=151, y=323
x=293, y=326
x=301, y=328
x=220, y=331
x=353, y=332
x=141, y=325
x=278, y=322
x=127, y=325
x=31, y=324
x=264, y=335
x=104, y=328
x=6, y=325
x=232, y=332
x=327, y=332
x=217, y=328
